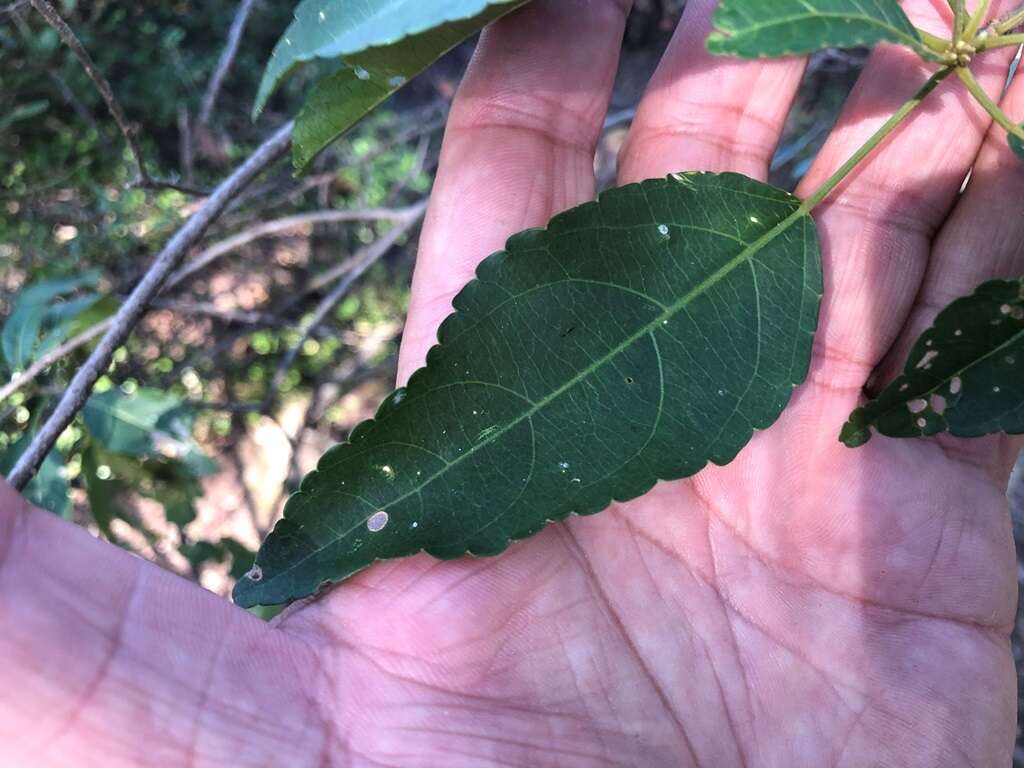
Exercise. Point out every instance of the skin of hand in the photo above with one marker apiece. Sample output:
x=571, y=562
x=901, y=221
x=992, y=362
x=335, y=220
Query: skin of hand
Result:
x=807, y=605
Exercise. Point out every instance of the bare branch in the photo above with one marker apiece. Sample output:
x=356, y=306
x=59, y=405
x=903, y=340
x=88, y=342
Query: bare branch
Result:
x=282, y=225
x=227, y=59
x=133, y=308
x=361, y=262
x=204, y=309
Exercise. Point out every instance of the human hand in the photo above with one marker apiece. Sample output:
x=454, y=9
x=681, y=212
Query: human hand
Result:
x=806, y=605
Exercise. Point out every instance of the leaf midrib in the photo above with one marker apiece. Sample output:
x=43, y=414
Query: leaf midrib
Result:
x=670, y=312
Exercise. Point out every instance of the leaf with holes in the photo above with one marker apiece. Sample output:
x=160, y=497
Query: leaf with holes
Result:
x=366, y=79
x=963, y=375
x=329, y=29
x=634, y=339
x=771, y=28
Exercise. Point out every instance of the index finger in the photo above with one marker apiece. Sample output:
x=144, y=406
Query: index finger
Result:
x=519, y=146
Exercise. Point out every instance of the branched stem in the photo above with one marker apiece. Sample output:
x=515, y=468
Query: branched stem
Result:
x=979, y=93
x=879, y=136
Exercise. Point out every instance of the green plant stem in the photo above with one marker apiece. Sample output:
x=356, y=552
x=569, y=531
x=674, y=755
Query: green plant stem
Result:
x=976, y=20
x=986, y=101
x=933, y=42
x=1006, y=24
x=1000, y=41
x=959, y=19
x=879, y=136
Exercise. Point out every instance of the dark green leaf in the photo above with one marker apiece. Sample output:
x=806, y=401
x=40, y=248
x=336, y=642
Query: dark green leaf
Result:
x=329, y=29
x=49, y=489
x=36, y=309
x=771, y=28
x=1017, y=145
x=101, y=489
x=338, y=102
x=963, y=375
x=635, y=338
x=24, y=112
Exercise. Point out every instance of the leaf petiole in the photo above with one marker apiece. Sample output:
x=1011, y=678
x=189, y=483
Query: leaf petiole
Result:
x=1000, y=41
x=932, y=42
x=976, y=20
x=877, y=138
x=1008, y=23
x=1000, y=117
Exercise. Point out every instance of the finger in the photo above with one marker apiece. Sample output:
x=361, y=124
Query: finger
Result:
x=877, y=227
x=708, y=113
x=519, y=146
x=982, y=239
x=107, y=658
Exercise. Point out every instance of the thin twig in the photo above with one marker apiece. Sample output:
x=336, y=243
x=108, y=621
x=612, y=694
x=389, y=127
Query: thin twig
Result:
x=133, y=308
x=204, y=309
x=227, y=59
x=279, y=226
x=55, y=20
x=368, y=256
x=56, y=354
x=70, y=39
x=186, y=153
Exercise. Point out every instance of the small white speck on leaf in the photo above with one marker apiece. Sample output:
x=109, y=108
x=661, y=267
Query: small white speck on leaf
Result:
x=388, y=471
x=396, y=81
x=954, y=385
x=361, y=73
x=663, y=230
x=414, y=525
x=754, y=220
x=925, y=361
x=377, y=521
x=958, y=332
x=323, y=16
x=922, y=423
x=255, y=574
x=997, y=389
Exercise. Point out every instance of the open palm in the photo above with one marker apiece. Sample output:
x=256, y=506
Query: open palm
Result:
x=807, y=605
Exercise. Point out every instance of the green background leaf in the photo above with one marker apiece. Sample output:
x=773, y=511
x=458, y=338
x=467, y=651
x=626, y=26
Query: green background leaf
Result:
x=339, y=101
x=35, y=310
x=330, y=29
x=1017, y=145
x=49, y=488
x=963, y=375
x=770, y=28
x=637, y=337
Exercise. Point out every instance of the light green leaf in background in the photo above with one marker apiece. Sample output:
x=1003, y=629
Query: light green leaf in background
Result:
x=366, y=79
x=49, y=489
x=963, y=375
x=149, y=423
x=331, y=29
x=772, y=28
x=635, y=338
x=37, y=309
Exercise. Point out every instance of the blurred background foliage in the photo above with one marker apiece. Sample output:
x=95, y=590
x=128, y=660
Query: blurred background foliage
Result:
x=205, y=421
